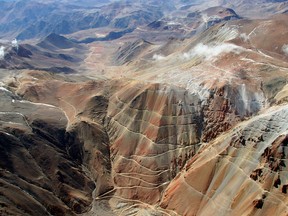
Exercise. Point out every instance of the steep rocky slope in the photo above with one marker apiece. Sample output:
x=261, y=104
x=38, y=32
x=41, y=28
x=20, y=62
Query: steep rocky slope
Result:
x=243, y=172
x=194, y=127
x=41, y=164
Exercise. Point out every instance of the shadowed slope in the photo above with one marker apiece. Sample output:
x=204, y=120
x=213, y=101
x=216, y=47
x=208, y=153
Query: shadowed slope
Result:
x=40, y=165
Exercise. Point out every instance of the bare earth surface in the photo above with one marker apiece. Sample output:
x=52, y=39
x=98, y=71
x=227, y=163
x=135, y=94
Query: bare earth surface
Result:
x=194, y=126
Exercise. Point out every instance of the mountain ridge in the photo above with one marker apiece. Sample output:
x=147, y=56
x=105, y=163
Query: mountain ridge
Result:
x=144, y=108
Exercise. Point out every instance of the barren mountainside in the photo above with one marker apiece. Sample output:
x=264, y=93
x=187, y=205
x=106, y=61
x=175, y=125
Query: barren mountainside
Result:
x=185, y=113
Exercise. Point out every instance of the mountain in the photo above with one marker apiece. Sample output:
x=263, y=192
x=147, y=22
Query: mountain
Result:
x=42, y=19
x=54, y=53
x=47, y=179
x=131, y=51
x=187, y=23
x=66, y=17
x=156, y=108
x=54, y=41
x=257, y=9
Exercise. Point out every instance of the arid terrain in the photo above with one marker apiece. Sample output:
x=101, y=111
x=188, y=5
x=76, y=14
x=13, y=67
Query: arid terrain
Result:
x=151, y=107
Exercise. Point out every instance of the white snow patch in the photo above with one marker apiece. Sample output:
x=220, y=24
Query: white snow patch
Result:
x=4, y=89
x=98, y=35
x=158, y=57
x=172, y=23
x=2, y=52
x=285, y=49
x=15, y=43
x=205, y=19
x=244, y=96
x=210, y=52
x=244, y=37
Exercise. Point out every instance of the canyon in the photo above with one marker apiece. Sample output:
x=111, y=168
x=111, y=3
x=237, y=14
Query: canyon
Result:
x=183, y=115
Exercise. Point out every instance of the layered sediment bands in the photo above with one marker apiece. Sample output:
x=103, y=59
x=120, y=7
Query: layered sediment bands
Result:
x=95, y=142
x=85, y=108
x=227, y=104
x=153, y=130
x=134, y=137
x=242, y=172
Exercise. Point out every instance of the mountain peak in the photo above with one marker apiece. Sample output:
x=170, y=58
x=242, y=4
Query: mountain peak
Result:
x=57, y=41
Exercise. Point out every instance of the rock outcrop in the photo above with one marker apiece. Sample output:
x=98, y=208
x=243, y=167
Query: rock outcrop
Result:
x=242, y=172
